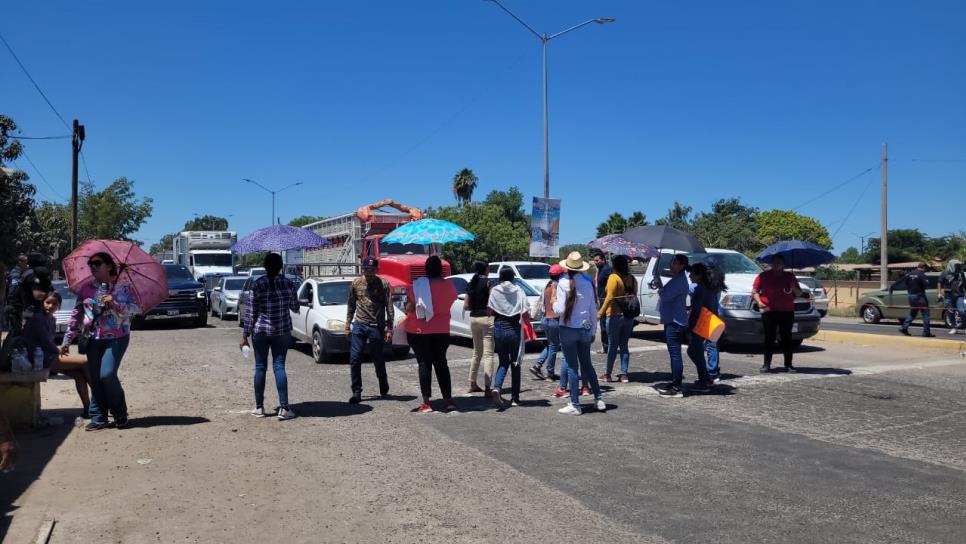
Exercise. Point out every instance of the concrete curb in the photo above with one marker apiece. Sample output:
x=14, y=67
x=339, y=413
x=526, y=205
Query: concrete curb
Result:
x=883, y=341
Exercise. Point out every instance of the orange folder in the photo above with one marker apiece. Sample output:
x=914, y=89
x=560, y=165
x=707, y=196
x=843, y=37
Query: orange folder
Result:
x=709, y=325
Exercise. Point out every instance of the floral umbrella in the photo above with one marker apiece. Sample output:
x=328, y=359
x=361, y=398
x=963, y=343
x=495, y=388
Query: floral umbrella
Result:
x=146, y=277
x=428, y=231
x=616, y=244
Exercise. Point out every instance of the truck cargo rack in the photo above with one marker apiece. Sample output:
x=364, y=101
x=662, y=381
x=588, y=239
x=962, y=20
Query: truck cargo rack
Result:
x=325, y=269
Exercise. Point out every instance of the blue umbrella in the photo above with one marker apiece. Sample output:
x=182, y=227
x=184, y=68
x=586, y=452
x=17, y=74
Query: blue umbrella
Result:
x=797, y=254
x=279, y=238
x=428, y=231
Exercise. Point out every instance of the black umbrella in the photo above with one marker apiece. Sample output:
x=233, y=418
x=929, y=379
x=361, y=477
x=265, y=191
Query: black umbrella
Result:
x=663, y=237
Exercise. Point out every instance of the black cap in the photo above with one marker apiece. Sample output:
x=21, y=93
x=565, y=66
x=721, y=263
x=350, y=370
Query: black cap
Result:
x=370, y=262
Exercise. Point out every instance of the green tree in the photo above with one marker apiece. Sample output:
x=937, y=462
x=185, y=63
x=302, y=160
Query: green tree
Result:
x=165, y=245
x=17, y=221
x=464, y=183
x=729, y=225
x=206, y=222
x=614, y=224
x=777, y=225
x=679, y=217
x=565, y=250
x=52, y=236
x=113, y=213
x=303, y=220
x=851, y=255
x=637, y=219
x=905, y=245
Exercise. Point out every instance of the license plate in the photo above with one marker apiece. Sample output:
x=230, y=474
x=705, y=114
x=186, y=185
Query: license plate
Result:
x=176, y=312
x=794, y=327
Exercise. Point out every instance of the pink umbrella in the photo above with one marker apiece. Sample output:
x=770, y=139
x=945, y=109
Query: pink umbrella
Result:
x=147, y=278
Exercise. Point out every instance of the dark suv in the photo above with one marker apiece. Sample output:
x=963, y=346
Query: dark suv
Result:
x=186, y=298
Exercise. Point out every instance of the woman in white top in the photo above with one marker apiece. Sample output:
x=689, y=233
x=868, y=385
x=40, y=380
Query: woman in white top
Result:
x=577, y=306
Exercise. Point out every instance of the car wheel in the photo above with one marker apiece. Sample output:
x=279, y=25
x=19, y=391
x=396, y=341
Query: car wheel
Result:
x=871, y=314
x=212, y=306
x=318, y=348
x=222, y=315
x=949, y=318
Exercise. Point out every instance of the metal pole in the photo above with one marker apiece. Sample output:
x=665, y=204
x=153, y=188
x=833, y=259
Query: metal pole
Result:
x=77, y=141
x=272, y=222
x=884, y=226
x=546, y=124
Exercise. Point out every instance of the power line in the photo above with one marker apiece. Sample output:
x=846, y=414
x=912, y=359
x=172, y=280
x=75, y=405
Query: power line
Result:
x=835, y=188
x=64, y=137
x=854, y=205
x=84, y=162
x=24, y=153
x=36, y=86
x=938, y=160
x=36, y=188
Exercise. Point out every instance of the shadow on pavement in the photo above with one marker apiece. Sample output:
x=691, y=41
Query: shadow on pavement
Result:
x=649, y=377
x=401, y=398
x=165, y=421
x=756, y=349
x=37, y=448
x=329, y=408
x=167, y=325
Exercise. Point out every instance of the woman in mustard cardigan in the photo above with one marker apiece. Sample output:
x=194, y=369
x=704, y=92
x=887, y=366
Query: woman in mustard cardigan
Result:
x=620, y=285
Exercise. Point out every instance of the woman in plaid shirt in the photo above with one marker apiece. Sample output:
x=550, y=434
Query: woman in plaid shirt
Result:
x=268, y=322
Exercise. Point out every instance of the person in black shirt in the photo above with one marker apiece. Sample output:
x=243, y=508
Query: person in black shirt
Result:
x=603, y=274
x=952, y=287
x=481, y=327
x=916, y=289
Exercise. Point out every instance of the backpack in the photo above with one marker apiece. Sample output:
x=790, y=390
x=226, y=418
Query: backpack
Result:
x=630, y=305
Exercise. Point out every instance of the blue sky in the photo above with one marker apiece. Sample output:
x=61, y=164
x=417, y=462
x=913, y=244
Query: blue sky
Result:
x=774, y=102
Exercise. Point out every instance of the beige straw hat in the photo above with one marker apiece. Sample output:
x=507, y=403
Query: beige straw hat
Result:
x=576, y=262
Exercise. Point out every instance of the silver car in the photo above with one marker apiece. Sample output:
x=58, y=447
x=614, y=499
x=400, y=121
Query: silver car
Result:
x=224, y=296
x=66, y=307
x=819, y=294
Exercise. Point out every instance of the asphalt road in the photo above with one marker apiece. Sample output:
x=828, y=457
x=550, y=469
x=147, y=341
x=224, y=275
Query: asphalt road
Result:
x=888, y=328
x=861, y=446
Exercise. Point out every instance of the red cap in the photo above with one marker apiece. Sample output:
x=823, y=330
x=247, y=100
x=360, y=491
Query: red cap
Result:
x=556, y=270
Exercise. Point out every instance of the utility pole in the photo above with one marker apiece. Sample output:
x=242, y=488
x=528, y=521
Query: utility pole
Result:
x=884, y=226
x=77, y=142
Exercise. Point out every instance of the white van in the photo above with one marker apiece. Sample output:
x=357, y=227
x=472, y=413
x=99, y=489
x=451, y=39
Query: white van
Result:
x=738, y=310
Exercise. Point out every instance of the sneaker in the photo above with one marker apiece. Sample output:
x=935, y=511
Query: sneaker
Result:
x=904, y=331
x=122, y=423
x=670, y=390
x=497, y=399
x=355, y=399
x=623, y=378
x=515, y=402
x=259, y=412
x=285, y=413
x=605, y=378
x=537, y=371
x=384, y=391
x=716, y=380
x=700, y=387
x=951, y=331
x=95, y=426
x=551, y=377
x=584, y=391
x=569, y=410
x=790, y=368
x=765, y=369
x=560, y=392
x=424, y=408
x=601, y=407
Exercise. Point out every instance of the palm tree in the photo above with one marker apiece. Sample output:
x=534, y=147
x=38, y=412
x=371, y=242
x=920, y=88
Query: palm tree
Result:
x=464, y=183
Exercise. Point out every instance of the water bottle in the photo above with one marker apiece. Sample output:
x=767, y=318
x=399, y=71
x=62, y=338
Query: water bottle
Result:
x=246, y=352
x=102, y=289
x=38, y=358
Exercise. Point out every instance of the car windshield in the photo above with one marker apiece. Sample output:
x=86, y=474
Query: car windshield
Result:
x=534, y=271
x=334, y=293
x=212, y=259
x=234, y=285
x=177, y=272
x=403, y=249
x=733, y=263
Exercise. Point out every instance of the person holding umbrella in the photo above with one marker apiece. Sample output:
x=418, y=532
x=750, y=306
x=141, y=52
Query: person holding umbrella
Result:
x=674, y=317
x=775, y=291
x=620, y=285
x=427, y=329
x=106, y=304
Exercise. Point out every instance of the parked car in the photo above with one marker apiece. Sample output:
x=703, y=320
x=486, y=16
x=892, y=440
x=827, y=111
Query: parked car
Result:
x=739, y=311
x=210, y=280
x=877, y=305
x=535, y=273
x=246, y=293
x=256, y=271
x=224, y=296
x=321, y=318
x=819, y=293
x=69, y=300
x=186, y=298
x=459, y=324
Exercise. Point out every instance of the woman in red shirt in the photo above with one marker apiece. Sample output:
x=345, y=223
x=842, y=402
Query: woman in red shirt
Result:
x=427, y=329
x=775, y=291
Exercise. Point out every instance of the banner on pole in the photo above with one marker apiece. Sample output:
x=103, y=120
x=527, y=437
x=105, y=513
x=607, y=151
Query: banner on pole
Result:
x=545, y=228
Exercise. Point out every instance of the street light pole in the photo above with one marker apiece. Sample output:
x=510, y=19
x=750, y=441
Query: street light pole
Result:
x=273, y=193
x=544, y=40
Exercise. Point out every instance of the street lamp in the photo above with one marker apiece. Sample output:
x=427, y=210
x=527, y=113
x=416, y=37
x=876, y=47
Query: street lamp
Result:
x=266, y=189
x=544, y=39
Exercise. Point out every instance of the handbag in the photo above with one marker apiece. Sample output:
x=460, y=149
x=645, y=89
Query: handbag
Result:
x=709, y=325
x=631, y=305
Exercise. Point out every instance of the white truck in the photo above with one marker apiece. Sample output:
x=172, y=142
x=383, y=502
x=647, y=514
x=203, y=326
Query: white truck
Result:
x=205, y=252
x=742, y=318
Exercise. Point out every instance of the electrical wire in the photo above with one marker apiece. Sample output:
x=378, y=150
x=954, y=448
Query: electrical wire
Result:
x=938, y=160
x=835, y=188
x=86, y=171
x=44, y=178
x=64, y=137
x=36, y=187
x=854, y=205
x=36, y=86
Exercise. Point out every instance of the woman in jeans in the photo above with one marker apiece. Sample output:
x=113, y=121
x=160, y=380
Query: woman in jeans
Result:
x=105, y=307
x=427, y=328
x=269, y=324
x=481, y=327
x=577, y=306
x=509, y=306
x=703, y=296
x=620, y=285
x=551, y=326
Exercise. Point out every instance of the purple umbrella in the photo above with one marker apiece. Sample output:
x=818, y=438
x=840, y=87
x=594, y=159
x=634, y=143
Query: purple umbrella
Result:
x=279, y=238
x=616, y=244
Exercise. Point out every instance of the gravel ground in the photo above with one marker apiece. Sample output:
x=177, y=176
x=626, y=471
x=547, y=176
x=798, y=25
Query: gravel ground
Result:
x=864, y=446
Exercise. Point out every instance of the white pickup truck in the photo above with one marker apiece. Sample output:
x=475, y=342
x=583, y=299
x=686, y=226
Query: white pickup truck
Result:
x=738, y=310
x=321, y=318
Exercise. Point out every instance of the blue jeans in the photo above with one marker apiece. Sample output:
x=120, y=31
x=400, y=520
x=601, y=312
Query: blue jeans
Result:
x=696, y=350
x=957, y=303
x=917, y=303
x=506, y=344
x=107, y=395
x=618, y=334
x=674, y=336
x=711, y=352
x=361, y=336
x=549, y=353
x=279, y=345
x=576, y=347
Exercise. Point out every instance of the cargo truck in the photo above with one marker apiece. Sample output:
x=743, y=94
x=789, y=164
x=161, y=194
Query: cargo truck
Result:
x=205, y=252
